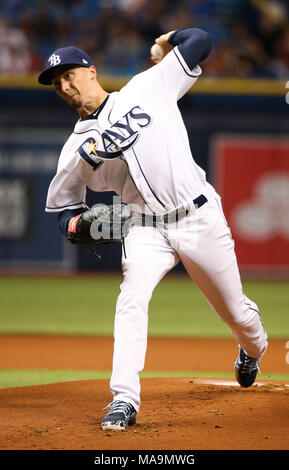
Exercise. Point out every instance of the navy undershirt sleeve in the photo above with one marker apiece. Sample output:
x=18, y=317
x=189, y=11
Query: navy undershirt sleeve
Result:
x=194, y=44
x=65, y=216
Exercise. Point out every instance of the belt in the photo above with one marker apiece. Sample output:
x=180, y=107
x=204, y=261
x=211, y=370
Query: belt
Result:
x=170, y=217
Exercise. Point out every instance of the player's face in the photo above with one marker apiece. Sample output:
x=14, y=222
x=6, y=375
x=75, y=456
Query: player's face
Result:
x=73, y=85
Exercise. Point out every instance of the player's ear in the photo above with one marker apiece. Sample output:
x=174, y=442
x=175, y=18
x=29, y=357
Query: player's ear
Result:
x=93, y=72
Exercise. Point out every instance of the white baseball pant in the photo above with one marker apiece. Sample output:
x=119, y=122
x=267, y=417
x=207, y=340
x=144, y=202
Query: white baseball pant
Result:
x=202, y=241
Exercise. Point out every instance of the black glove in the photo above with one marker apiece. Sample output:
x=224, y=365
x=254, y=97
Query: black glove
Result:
x=99, y=225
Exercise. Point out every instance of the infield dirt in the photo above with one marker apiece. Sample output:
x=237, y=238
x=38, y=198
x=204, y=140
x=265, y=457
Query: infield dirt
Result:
x=176, y=413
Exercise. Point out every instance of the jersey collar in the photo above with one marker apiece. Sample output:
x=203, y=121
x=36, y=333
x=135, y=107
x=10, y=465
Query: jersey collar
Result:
x=97, y=112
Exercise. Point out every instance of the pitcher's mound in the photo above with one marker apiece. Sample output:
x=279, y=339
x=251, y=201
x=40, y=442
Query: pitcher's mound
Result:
x=175, y=414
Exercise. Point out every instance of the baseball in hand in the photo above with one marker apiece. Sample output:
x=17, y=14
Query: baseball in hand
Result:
x=157, y=52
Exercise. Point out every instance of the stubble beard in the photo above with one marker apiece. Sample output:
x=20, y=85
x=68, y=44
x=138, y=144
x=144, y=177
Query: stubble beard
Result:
x=75, y=102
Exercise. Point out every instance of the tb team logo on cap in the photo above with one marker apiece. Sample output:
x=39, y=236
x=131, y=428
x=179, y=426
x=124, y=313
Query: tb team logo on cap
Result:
x=64, y=56
x=54, y=59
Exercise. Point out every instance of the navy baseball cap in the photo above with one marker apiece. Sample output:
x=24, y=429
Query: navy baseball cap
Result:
x=65, y=56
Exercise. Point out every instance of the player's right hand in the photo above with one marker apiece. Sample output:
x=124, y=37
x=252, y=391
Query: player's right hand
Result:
x=162, y=41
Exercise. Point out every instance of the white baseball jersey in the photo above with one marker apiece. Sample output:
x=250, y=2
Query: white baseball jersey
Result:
x=135, y=144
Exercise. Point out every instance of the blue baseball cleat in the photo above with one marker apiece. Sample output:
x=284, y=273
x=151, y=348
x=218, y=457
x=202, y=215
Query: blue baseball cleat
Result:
x=121, y=415
x=246, y=369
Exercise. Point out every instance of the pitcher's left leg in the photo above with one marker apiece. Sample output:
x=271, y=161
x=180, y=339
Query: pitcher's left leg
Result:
x=148, y=258
x=211, y=262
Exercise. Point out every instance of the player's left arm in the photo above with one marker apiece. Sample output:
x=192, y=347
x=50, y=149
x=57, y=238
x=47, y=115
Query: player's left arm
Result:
x=100, y=224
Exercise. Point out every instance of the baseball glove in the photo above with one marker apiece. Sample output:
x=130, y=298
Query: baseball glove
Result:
x=100, y=224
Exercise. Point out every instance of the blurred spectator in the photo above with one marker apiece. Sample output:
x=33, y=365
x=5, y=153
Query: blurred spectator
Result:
x=252, y=60
x=280, y=56
x=124, y=49
x=14, y=51
x=250, y=36
x=222, y=61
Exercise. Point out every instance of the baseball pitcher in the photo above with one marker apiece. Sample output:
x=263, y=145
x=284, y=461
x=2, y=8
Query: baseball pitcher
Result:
x=134, y=142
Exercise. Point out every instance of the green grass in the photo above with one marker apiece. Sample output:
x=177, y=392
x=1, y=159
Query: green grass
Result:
x=86, y=305
x=22, y=377
x=58, y=306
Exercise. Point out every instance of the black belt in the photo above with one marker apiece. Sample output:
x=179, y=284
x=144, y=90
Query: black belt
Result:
x=174, y=216
x=200, y=201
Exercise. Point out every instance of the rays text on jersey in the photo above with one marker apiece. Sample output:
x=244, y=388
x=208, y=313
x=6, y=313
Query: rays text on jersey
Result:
x=120, y=137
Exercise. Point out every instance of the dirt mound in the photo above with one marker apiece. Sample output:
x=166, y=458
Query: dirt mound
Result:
x=179, y=413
